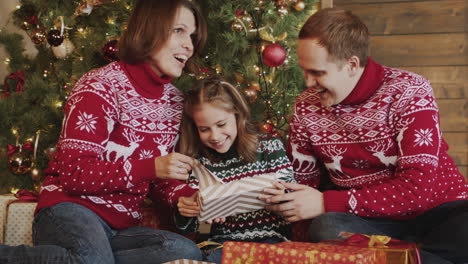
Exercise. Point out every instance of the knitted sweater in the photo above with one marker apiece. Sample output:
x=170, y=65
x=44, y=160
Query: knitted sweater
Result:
x=252, y=226
x=382, y=147
x=118, y=118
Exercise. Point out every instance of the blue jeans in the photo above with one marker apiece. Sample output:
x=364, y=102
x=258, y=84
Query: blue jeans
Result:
x=71, y=233
x=441, y=232
x=216, y=255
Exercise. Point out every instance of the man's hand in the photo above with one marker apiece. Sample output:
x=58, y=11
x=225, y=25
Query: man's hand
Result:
x=304, y=203
x=188, y=206
x=174, y=166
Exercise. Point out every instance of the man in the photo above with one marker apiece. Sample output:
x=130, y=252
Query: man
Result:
x=375, y=131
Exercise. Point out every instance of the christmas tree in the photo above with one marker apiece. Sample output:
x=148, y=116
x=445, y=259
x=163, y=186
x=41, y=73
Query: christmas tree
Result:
x=251, y=44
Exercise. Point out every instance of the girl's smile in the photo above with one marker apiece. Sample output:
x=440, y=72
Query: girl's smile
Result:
x=217, y=127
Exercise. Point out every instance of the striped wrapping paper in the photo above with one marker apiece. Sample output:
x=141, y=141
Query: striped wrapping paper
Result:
x=218, y=199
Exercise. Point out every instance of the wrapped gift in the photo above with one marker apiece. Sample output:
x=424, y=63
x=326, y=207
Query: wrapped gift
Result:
x=218, y=199
x=16, y=220
x=187, y=261
x=297, y=252
x=394, y=251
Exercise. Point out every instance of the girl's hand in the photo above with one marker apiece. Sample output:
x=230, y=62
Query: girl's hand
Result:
x=216, y=220
x=174, y=166
x=188, y=206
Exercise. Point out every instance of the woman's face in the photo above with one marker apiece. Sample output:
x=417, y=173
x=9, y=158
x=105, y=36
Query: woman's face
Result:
x=170, y=59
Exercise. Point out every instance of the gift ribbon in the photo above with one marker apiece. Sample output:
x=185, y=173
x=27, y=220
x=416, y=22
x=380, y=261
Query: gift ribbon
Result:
x=26, y=196
x=210, y=243
x=19, y=76
x=374, y=241
x=12, y=149
x=369, y=240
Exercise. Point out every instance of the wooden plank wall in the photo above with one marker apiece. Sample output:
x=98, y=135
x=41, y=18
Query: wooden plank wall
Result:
x=430, y=38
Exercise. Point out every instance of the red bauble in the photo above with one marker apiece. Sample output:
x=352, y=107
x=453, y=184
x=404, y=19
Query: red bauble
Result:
x=265, y=128
x=109, y=50
x=274, y=55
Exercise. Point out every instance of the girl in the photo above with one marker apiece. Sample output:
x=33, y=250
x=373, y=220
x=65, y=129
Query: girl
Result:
x=216, y=131
x=121, y=121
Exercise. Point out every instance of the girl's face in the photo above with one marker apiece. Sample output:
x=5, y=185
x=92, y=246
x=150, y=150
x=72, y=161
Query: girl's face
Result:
x=170, y=59
x=217, y=128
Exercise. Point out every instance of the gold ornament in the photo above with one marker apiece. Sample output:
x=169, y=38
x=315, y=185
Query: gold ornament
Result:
x=255, y=85
x=239, y=77
x=35, y=175
x=247, y=19
x=38, y=36
x=250, y=94
x=265, y=34
x=299, y=5
x=49, y=152
x=20, y=162
x=237, y=26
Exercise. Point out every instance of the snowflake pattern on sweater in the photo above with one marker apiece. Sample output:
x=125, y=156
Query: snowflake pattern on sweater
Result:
x=110, y=135
x=252, y=226
x=384, y=153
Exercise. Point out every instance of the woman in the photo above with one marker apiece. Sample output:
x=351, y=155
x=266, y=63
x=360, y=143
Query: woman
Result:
x=121, y=121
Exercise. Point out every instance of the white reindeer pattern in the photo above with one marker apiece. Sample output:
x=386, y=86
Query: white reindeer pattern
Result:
x=165, y=143
x=302, y=158
x=379, y=149
x=73, y=102
x=335, y=154
x=401, y=133
x=439, y=133
x=110, y=115
x=124, y=151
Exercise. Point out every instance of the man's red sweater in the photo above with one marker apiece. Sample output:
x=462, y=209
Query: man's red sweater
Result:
x=382, y=147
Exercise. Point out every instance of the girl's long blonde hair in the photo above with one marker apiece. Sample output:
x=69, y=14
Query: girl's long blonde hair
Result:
x=220, y=93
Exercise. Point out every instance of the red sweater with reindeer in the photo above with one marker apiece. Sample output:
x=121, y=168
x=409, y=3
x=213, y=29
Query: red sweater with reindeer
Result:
x=118, y=118
x=382, y=147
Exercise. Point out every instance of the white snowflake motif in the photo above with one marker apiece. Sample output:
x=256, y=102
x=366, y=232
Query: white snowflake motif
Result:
x=360, y=164
x=146, y=154
x=86, y=122
x=423, y=137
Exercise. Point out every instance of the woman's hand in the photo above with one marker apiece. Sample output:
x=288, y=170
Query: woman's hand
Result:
x=188, y=206
x=174, y=166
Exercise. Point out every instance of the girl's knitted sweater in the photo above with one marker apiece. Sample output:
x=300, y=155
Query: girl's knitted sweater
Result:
x=252, y=226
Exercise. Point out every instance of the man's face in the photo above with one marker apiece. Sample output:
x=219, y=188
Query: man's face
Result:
x=332, y=80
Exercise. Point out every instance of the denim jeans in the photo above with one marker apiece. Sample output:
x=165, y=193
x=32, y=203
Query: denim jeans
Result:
x=71, y=233
x=442, y=232
x=216, y=255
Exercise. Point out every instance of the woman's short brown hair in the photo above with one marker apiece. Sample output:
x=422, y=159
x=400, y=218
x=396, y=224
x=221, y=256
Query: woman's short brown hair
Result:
x=339, y=31
x=150, y=25
x=222, y=94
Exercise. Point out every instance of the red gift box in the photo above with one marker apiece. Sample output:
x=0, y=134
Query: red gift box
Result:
x=297, y=252
x=394, y=251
